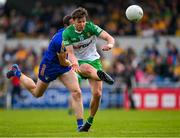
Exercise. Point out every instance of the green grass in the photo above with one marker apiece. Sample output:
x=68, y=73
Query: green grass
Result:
x=107, y=123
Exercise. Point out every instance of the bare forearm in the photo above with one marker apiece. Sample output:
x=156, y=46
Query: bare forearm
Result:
x=72, y=58
x=71, y=55
x=108, y=38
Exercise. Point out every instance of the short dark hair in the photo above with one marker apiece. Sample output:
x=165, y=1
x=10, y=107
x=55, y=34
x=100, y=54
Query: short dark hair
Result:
x=66, y=20
x=79, y=13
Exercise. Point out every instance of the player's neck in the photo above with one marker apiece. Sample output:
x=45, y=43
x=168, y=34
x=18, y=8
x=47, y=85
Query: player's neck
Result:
x=77, y=30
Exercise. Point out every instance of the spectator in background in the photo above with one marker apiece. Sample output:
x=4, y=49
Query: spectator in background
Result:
x=116, y=72
x=117, y=50
x=16, y=89
x=128, y=79
x=123, y=74
x=177, y=70
x=172, y=53
x=7, y=54
x=2, y=88
x=21, y=54
x=129, y=75
x=178, y=27
x=155, y=51
x=162, y=70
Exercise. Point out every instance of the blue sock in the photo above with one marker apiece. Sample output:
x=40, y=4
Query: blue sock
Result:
x=79, y=123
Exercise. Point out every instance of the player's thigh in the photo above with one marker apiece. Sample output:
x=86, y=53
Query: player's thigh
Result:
x=70, y=81
x=87, y=68
x=40, y=87
x=96, y=86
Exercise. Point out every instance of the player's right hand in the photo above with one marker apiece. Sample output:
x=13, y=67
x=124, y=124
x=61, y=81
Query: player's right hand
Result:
x=107, y=47
x=75, y=67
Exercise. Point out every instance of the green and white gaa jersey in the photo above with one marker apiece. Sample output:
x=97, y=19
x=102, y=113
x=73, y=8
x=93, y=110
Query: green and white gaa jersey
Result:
x=84, y=43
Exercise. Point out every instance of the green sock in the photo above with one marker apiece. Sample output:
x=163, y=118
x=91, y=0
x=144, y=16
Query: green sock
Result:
x=90, y=120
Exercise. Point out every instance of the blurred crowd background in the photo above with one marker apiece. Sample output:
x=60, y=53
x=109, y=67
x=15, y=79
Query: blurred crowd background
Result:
x=42, y=18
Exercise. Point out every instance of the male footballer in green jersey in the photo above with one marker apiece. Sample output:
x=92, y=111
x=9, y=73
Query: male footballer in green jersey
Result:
x=80, y=41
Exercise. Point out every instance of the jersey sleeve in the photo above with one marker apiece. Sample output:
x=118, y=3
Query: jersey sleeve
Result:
x=66, y=38
x=95, y=29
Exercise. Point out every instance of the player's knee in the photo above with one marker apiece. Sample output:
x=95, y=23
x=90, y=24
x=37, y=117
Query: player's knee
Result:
x=76, y=94
x=97, y=94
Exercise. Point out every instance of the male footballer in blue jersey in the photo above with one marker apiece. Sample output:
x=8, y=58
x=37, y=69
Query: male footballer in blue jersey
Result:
x=55, y=64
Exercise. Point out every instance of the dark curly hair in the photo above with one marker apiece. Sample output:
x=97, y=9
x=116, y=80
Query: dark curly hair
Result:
x=79, y=13
x=66, y=20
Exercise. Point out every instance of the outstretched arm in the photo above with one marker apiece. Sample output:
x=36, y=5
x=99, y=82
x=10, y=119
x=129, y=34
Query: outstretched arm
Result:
x=110, y=40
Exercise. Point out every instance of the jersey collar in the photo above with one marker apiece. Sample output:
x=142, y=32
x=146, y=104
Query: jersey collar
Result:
x=76, y=30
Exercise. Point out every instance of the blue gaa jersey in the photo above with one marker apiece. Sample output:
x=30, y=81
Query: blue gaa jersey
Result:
x=54, y=47
x=50, y=67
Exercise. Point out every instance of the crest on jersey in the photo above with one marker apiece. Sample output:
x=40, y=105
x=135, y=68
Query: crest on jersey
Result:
x=81, y=37
x=88, y=34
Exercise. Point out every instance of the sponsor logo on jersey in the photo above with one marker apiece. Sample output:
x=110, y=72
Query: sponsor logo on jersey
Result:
x=83, y=45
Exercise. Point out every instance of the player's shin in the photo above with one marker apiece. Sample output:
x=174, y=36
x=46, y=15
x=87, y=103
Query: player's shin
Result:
x=28, y=83
x=37, y=90
x=94, y=105
x=77, y=107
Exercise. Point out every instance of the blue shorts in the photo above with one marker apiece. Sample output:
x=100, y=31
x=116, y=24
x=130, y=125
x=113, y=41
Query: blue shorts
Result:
x=49, y=71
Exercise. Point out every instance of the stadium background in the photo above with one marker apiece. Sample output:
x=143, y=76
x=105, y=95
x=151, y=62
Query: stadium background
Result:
x=145, y=61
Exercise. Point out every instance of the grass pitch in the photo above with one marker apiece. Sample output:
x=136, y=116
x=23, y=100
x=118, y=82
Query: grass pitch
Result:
x=107, y=123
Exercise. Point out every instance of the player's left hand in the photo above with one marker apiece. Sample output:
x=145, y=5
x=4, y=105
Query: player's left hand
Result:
x=107, y=47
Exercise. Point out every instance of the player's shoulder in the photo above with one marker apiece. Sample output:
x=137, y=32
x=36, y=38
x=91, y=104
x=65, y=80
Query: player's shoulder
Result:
x=95, y=29
x=58, y=36
x=89, y=23
x=69, y=29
